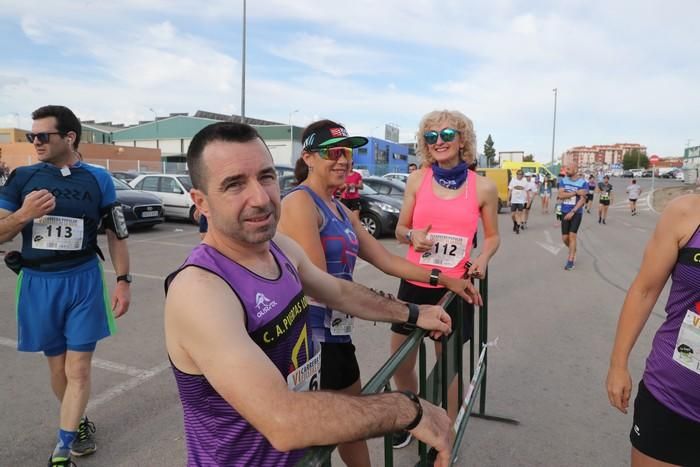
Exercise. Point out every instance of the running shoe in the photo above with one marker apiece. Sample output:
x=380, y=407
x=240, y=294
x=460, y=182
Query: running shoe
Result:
x=401, y=439
x=61, y=462
x=603, y=221
x=569, y=265
x=85, y=442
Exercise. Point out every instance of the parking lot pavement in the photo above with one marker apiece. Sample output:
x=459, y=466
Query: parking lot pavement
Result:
x=555, y=332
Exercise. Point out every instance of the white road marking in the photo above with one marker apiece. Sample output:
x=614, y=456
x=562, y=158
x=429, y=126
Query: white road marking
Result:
x=128, y=385
x=188, y=233
x=114, y=367
x=136, y=274
x=548, y=237
x=183, y=245
x=550, y=248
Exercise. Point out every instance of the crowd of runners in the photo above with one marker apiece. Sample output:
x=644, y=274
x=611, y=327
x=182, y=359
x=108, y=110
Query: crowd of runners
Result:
x=259, y=317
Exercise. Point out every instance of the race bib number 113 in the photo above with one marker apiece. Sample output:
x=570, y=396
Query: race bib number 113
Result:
x=57, y=233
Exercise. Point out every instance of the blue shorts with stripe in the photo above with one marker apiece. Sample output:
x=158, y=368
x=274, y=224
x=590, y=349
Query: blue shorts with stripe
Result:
x=63, y=310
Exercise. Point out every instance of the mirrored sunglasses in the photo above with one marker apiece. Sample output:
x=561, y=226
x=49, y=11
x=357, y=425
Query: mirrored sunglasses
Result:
x=446, y=134
x=333, y=154
x=43, y=137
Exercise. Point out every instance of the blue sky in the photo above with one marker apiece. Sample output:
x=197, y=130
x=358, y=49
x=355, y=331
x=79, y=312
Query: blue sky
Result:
x=626, y=71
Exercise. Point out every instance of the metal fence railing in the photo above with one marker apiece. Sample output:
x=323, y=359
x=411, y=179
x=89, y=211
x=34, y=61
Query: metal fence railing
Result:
x=433, y=387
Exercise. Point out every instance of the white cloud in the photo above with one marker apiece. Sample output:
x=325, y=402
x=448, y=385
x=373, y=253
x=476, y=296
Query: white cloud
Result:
x=624, y=70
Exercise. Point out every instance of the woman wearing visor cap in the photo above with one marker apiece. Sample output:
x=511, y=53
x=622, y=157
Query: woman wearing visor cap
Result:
x=333, y=238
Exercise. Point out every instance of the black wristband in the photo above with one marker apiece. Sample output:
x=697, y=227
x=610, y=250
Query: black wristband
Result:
x=413, y=312
x=434, y=276
x=419, y=407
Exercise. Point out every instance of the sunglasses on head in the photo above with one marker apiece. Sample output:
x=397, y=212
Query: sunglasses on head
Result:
x=446, y=134
x=43, y=137
x=333, y=154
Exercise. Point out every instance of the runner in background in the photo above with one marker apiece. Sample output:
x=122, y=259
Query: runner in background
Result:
x=605, y=198
x=350, y=194
x=666, y=425
x=546, y=193
x=633, y=192
x=531, y=193
x=572, y=194
x=517, y=196
x=591, y=192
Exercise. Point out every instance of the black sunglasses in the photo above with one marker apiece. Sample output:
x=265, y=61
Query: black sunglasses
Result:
x=43, y=137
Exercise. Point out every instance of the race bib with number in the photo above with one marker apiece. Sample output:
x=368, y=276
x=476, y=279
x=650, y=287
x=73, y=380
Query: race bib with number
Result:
x=605, y=196
x=687, y=351
x=341, y=324
x=307, y=377
x=569, y=201
x=447, y=250
x=57, y=233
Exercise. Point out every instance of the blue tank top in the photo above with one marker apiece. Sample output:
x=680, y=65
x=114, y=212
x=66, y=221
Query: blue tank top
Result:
x=340, y=246
x=276, y=313
x=81, y=198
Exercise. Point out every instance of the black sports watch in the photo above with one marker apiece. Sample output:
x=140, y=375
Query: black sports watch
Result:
x=434, y=276
x=413, y=311
x=124, y=277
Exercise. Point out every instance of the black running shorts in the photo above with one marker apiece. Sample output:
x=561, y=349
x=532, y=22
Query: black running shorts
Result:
x=351, y=204
x=430, y=296
x=516, y=207
x=605, y=202
x=589, y=196
x=571, y=226
x=661, y=433
x=339, y=368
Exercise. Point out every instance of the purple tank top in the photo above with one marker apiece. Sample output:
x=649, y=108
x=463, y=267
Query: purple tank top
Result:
x=277, y=321
x=672, y=381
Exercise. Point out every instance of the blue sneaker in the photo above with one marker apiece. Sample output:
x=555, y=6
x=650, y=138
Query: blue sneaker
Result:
x=569, y=265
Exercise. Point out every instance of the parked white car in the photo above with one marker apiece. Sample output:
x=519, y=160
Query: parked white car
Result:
x=637, y=172
x=400, y=177
x=172, y=189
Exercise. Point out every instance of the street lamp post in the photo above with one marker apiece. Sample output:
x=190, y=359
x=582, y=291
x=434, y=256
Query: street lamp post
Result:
x=243, y=68
x=291, y=136
x=155, y=119
x=554, y=123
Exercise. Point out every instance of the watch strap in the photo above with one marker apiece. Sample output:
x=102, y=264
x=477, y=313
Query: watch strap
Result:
x=434, y=277
x=124, y=277
x=413, y=312
x=419, y=407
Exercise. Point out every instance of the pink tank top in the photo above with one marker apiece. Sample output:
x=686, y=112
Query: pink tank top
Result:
x=454, y=223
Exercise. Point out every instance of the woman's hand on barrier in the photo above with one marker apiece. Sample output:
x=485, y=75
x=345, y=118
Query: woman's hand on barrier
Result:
x=462, y=287
x=420, y=241
x=435, y=429
x=435, y=319
x=619, y=384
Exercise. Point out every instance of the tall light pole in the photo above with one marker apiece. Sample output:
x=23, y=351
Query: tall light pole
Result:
x=554, y=124
x=243, y=68
x=291, y=136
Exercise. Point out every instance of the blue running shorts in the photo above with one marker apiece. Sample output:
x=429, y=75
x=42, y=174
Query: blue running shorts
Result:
x=64, y=310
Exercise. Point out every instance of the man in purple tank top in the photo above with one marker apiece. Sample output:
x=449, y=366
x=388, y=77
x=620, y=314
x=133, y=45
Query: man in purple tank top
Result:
x=237, y=331
x=666, y=425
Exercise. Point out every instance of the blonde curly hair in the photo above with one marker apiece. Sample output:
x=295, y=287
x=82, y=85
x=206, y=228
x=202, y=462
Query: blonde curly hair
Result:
x=454, y=119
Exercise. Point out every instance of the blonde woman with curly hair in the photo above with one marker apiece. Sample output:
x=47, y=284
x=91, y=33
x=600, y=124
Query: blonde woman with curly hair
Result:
x=442, y=205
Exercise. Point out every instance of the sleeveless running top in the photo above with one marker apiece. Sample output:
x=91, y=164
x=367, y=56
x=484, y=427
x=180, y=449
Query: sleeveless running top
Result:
x=672, y=371
x=340, y=246
x=276, y=320
x=67, y=236
x=454, y=223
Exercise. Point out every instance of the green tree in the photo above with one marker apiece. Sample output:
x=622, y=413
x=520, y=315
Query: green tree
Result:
x=635, y=159
x=529, y=158
x=489, y=151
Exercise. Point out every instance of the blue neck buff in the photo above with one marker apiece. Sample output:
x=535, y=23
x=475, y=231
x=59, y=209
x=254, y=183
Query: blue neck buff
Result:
x=452, y=178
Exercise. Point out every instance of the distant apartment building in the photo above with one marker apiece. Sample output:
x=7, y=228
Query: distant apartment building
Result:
x=602, y=156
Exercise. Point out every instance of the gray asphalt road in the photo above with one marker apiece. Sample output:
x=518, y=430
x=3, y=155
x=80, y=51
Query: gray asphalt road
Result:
x=554, y=330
